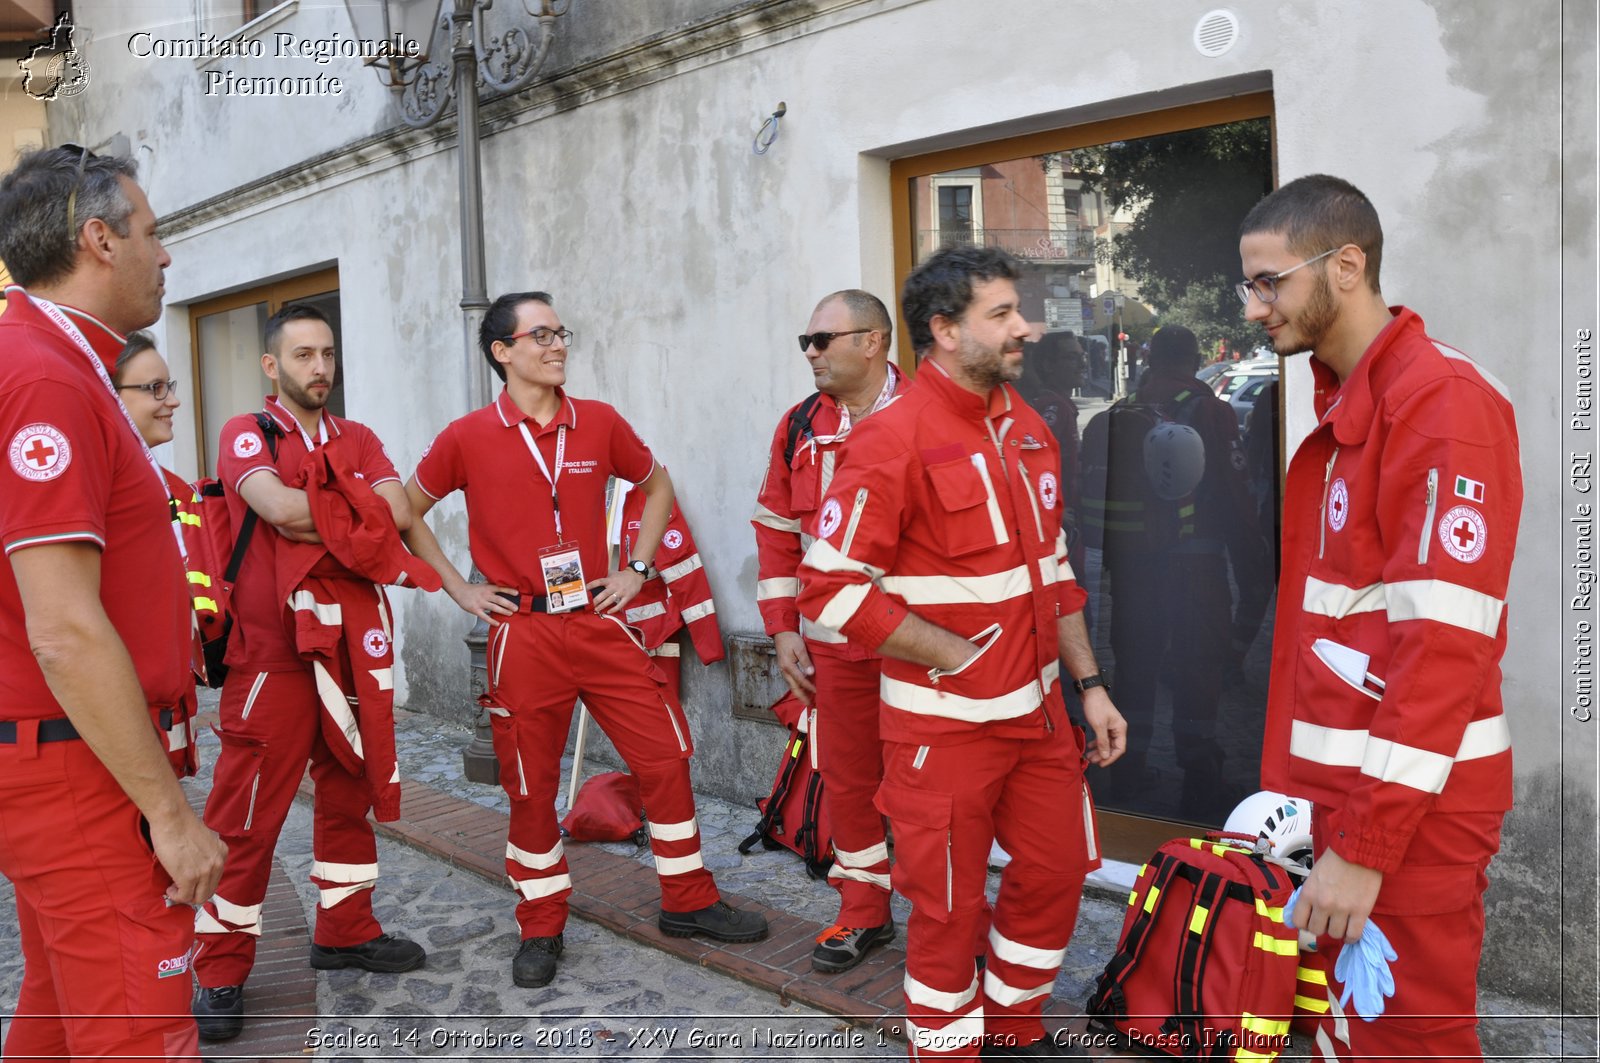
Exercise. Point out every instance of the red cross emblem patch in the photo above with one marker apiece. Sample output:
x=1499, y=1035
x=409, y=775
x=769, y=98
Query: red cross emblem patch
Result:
x=1463, y=531
x=673, y=539
x=1048, y=491
x=375, y=642
x=40, y=452
x=1338, y=504
x=247, y=445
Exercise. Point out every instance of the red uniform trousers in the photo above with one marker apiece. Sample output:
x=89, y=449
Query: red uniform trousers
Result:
x=844, y=732
x=947, y=805
x=106, y=961
x=269, y=727
x=539, y=665
x=1431, y=910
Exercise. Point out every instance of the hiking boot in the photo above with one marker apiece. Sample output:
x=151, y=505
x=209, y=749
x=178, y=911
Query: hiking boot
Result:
x=385, y=954
x=720, y=922
x=219, y=1012
x=840, y=948
x=535, y=962
x=1043, y=1048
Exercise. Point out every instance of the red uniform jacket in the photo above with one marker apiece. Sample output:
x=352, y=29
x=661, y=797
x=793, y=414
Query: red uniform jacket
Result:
x=785, y=520
x=342, y=623
x=678, y=593
x=948, y=506
x=1399, y=522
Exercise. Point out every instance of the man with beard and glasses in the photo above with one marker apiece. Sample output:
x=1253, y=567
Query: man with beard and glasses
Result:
x=96, y=835
x=1400, y=516
x=939, y=545
x=270, y=716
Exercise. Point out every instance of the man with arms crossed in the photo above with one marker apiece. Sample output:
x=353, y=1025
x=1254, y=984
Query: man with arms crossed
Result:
x=270, y=716
x=847, y=344
x=940, y=546
x=533, y=465
x=1399, y=523
x=95, y=633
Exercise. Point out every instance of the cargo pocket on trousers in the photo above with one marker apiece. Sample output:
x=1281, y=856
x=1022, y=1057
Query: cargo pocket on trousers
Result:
x=923, y=872
x=1428, y=890
x=230, y=810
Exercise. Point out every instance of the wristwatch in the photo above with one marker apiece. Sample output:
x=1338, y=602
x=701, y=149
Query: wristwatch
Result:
x=1088, y=681
x=641, y=568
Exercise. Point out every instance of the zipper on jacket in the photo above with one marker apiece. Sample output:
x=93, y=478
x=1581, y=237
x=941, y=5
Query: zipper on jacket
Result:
x=1033, y=503
x=1322, y=529
x=1427, y=521
x=855, y=521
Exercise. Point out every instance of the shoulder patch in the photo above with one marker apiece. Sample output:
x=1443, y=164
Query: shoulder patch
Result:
x=247, y=445
x=828, y=522
x=40, y=452
x=673, y=539
x=1464, y=532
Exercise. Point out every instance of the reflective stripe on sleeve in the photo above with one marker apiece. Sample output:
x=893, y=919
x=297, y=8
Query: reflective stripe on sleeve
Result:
x=767, y=518
x=1389, y=761
x=960, y=590
x=1445, y=603
x=925, y=701
x=777, y=587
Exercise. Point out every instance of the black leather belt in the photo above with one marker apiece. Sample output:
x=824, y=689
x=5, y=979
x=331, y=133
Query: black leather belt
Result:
x=60, y=729
x=537, y=603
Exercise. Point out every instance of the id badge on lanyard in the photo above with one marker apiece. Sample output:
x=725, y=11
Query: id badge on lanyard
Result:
x=561, y=564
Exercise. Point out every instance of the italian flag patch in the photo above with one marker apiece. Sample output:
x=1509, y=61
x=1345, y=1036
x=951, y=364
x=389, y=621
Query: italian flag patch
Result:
x=1471, y=490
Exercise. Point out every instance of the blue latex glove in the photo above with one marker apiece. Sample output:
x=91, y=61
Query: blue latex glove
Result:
x=1363, y=967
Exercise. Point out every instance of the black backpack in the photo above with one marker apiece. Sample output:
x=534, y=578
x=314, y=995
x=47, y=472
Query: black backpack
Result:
x=1122, y=512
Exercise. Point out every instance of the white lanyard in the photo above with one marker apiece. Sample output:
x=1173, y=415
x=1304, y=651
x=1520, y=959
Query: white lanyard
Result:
x=65, y=324
x=890, y=379
x=561, y=452
x=305, y=437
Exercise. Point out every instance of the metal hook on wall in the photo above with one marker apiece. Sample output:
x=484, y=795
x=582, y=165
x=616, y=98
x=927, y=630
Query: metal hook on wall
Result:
x=768, y=133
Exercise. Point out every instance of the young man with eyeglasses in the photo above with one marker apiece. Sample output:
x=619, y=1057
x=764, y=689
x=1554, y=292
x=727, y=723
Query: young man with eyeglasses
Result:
x=1400, y=516
x=533, y=465
x=271, y=714
x=939, y=545
x=847, y=345
x=96, y=835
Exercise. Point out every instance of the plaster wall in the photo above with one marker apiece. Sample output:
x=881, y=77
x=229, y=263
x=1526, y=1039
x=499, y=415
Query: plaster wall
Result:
x=626, y=186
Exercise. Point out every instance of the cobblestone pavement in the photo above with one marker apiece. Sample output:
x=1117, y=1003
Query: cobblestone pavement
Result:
x=614, y=998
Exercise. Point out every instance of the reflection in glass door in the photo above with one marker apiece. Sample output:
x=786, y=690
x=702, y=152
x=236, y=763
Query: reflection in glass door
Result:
x=1128, y=250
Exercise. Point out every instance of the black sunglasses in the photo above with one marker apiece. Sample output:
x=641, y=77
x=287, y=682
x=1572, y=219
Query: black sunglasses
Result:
x=821, y=339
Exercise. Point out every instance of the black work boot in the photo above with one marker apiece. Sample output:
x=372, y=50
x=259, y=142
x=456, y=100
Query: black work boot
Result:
x=219, y=1012
x=535, y=962
x=385, y=954
x=720, y=922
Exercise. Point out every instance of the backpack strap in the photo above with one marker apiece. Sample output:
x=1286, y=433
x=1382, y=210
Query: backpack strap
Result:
x=809, y=835
x=800, y=425
x=772, y=815
x=247, y=527
x=1108, y=998
x=1189, y=976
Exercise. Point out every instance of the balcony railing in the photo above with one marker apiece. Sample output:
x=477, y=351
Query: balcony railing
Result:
x=1069, y=246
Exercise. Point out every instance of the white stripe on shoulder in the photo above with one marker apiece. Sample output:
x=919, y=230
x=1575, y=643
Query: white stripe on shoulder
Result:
x=1488, y=377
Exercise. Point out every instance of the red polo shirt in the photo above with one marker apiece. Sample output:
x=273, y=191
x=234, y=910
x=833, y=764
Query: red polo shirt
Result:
x=512, y=517
x=262, y=637
x=75, y=471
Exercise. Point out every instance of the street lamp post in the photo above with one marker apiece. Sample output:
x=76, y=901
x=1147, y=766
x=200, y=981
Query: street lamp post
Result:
x=486, y=53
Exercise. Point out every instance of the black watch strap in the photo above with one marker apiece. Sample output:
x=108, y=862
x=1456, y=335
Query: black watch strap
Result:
x=1088, y=681
x=640, y=567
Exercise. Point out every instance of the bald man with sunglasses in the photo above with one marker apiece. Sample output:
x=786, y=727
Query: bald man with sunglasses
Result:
x=847, y=345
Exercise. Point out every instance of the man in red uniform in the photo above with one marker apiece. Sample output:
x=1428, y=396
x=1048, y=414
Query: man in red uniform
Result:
x=1400, y=520
x=847, y=344
x=270, y=715
x=533, y=465
x=96, y=836
x=940, y=546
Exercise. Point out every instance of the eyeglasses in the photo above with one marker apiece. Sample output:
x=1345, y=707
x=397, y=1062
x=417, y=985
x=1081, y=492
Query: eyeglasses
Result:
x=820, y=340
x=544, y=337
x=84, y=154
x=156, y=389
x=1265, y=287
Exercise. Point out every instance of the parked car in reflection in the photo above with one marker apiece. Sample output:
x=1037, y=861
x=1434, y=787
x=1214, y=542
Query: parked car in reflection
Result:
x=1243, y=383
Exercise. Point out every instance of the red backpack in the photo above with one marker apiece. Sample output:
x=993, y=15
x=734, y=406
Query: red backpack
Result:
x=214, y=560
x=794, y=815
x=607, y=809
x=1205, y=967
